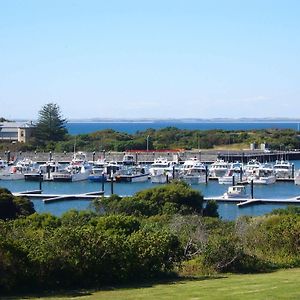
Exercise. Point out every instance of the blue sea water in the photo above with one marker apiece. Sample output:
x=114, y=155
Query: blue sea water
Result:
x=131, y=127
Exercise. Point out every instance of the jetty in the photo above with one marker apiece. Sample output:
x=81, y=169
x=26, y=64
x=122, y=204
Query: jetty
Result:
x=241, y=202
x=49, y=198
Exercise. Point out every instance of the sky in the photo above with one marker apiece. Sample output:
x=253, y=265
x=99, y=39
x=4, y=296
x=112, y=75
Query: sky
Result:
x=150, y=59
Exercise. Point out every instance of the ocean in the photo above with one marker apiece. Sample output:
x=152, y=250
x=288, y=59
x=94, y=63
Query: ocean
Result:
x=132, y=127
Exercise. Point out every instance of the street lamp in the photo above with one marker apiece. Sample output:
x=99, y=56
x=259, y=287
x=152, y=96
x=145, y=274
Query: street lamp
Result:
x=148, y=136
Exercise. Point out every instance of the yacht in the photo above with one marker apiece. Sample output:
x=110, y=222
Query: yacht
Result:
x=218, y=168
x=233, y=175
x=283, y=169
x=251, y=166
x=98, y=172
x=193, y=171
x=263, y=175
x=3, y=164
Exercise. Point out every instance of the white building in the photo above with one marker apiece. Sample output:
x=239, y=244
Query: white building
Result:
x=16, y=131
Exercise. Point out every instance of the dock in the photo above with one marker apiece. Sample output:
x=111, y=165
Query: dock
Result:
x=49, y=198
x=241, y=202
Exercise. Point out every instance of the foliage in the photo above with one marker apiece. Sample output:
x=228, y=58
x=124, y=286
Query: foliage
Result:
x=51, y=126
x=12, y=207
x=177, y=197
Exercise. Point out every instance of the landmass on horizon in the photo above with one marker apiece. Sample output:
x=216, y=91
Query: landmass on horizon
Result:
x=178, y=120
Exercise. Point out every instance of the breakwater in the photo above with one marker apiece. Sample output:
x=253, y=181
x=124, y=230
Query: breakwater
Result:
x=148, y=157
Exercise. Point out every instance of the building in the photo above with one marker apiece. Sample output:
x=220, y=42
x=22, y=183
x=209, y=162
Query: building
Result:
x=16, y=131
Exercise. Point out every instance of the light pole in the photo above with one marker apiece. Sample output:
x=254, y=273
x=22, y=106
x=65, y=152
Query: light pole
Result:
x=148, y=136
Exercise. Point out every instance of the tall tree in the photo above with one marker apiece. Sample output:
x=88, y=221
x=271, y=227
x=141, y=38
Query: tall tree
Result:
x=51, y=125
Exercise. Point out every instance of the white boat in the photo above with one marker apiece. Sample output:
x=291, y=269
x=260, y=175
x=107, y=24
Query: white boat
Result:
x=44, y=172
x=17, y=171
x=297, y=178
x=251, y=166
x=161, y=170
x=283, y=169
x=132, y=174
x=263, y=175
x=236, y=191
x=72, y=173
x=218, y=168
x=78, y=170
x=233, y=175
x=128, y=160
x=193, y=171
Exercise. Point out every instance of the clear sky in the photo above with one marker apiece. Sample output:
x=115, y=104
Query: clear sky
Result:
x=151, y=58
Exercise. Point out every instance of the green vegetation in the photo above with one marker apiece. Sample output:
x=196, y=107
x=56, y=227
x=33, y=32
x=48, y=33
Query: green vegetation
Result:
x=160, y=232
x=174, y=138
x=283, y=284
x=12, y=207
x=51, y=126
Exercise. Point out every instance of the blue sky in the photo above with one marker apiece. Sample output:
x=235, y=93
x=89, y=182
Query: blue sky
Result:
x=150, y=59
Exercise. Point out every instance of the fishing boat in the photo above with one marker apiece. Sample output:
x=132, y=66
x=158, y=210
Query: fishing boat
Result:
x=128, y=160
x=132, y=174
x=17, y=171
x=44, y=172
x=78, y=170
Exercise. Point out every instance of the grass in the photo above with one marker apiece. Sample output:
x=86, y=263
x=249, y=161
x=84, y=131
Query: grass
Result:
x=283, y=284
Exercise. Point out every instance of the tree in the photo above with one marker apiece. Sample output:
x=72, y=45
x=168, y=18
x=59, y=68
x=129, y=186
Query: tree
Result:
x=51, y=125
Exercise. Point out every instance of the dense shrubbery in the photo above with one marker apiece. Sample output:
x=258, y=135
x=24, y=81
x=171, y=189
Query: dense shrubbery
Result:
x=153, y=233
x=169, y=138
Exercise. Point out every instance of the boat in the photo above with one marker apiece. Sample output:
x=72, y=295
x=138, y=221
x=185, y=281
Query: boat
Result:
x=97, y=174
x=218, y=168
x=233, y=175
x=132, y=174
x=283, y=169
x=193, y=171
x=251, y=166
x=236, y=191
x=128, y=160
x=44, y=172
x=17, y=171
x=263, y=175
x=161, y=171
x=78, y=170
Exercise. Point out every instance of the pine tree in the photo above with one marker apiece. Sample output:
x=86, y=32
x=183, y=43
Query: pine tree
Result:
x=51, y=126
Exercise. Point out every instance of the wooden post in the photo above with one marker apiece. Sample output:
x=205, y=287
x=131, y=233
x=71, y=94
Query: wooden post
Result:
x=233, y=180
x=252, y=189
x=173, y=172
x=167, y=177
x=293, y=171
x=206, y=174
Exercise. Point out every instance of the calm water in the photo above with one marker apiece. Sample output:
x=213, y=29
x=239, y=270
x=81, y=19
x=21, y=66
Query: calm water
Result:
x=130, y=127
x=227, y=211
